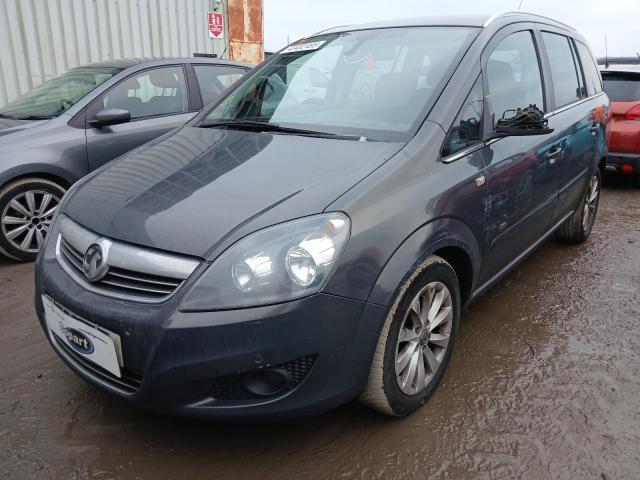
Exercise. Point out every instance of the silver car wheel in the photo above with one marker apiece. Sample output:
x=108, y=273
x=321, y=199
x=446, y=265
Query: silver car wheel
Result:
x=27, y=218
x=590, y=204
x=423, y=338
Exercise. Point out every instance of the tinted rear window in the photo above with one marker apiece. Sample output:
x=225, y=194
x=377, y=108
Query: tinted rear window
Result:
x=622, y=87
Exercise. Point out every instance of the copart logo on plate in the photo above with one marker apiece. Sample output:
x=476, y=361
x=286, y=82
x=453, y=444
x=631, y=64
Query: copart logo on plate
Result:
x=78, y=340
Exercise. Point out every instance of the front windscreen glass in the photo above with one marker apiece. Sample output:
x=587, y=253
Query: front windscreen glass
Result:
x=370, y=83
x=54, y=97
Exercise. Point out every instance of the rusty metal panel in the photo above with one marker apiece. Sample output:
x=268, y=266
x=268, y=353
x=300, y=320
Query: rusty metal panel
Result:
x=246, y=30
x=41, y=39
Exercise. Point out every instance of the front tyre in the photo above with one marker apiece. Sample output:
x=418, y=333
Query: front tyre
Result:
x=578, y=227
x=27, y=207
x=416, y=340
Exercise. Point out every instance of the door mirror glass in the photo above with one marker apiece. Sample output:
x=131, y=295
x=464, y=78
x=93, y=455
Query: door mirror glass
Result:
x=110, y=116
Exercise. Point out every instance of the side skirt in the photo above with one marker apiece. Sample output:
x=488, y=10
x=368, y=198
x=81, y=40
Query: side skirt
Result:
x=498, y=276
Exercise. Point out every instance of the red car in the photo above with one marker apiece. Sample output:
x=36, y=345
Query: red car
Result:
x=622, y=84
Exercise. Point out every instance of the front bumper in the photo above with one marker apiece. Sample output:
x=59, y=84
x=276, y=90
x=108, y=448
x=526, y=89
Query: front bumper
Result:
x=617, y=161
x=195, y=363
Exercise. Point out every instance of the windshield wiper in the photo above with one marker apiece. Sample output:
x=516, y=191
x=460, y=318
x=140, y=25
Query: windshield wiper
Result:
x=275, y=128
x=27, y=117
x=34, y=117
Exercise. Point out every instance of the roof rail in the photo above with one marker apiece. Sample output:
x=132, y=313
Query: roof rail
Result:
x=494, y=17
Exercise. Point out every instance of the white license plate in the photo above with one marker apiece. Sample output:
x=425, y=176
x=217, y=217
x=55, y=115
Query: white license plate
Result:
x=92, y=342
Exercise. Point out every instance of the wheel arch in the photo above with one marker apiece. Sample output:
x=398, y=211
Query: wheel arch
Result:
x=48, y=172
x=461, y=263
x=448, y=237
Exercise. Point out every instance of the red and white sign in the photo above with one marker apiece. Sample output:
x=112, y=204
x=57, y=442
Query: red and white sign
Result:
x=216, y=25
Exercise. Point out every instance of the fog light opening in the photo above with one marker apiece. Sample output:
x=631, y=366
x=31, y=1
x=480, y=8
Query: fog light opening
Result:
x=268, y=382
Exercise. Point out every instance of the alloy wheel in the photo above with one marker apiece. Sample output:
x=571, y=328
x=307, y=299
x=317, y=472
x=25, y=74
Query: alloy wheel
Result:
x=590, y=204
x=26, y=219
x=423, y=338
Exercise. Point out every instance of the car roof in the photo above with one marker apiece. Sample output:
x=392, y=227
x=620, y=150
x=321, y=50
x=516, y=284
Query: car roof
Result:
x=125, y=63
x=479, y=21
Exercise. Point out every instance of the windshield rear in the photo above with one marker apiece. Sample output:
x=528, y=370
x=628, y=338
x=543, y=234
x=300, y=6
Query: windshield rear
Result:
x=370, y=83
x=622, y=86
x=54, y=97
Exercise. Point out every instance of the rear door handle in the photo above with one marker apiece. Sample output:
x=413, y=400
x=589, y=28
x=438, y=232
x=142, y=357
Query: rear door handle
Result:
x=595, y=127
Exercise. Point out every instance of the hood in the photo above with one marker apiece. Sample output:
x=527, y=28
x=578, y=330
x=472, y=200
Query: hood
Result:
x=194, y=190
x=10, y=125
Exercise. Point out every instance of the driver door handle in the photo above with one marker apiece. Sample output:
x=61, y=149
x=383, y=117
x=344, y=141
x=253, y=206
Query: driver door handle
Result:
x=554, y=153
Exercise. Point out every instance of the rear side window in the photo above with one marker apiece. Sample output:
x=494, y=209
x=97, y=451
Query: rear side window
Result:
x=591, y=74
x=566, y=83
x=621, y=86
x=214, y=79
x=513, y=75
x=465, y=130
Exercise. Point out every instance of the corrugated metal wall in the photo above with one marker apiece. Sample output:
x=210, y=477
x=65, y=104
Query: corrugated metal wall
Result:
x=40, y=39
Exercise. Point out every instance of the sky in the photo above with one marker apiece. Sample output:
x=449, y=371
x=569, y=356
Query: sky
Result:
x=619, y=19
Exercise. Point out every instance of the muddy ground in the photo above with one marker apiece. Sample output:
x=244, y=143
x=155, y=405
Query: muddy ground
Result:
x=544, y=383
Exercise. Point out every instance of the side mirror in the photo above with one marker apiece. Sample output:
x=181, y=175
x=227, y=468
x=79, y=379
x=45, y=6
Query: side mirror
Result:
x=519, y=122
x=110, y=116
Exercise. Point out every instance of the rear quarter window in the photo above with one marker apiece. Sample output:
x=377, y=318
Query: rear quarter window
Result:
x=591, y=73
x=622, y=87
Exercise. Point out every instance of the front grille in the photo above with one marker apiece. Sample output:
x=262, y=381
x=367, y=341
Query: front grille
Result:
x=120, y=280
x=134, y=273
x=128, y=384
x=231, y=387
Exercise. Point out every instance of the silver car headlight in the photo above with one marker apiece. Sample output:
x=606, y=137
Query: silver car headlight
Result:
x=277, y=264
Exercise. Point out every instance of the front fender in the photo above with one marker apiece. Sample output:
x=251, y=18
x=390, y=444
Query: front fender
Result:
x=431, y=237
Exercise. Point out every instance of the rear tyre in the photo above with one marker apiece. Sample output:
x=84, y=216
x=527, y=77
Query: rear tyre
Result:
x=27, y=207
x=578, y=227
x=416, y=340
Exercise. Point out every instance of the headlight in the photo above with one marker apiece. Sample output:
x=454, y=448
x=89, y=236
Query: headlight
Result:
x=277, y=264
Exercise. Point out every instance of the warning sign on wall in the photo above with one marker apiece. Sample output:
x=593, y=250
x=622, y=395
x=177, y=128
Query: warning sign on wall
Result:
x=216, y=25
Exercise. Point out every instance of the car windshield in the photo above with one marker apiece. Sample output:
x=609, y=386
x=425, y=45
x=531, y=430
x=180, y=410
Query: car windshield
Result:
x=54, y=97
x=622, y=87
x=369, y=83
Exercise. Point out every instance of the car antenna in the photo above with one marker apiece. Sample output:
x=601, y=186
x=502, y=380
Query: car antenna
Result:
x=520, y=6
x=606, y=52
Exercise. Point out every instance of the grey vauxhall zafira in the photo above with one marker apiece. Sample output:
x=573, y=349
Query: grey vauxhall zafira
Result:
x=314, y=236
